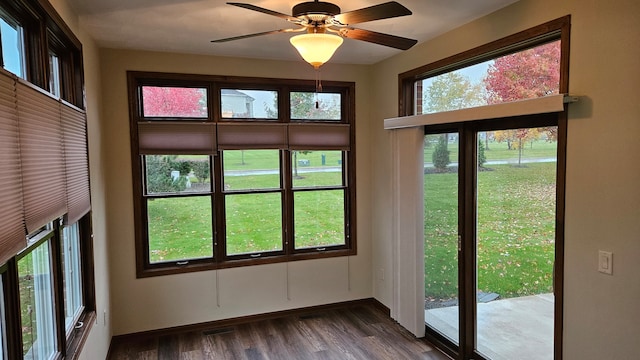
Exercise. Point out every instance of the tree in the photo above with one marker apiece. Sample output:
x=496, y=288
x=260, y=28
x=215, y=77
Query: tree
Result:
x=524, y=75
x=306, y=105
x=440, y=156
x=200, y=169
x=452, y=91
x=174, y=101
x=159, y=177
x=517, y=138
x=482, y=158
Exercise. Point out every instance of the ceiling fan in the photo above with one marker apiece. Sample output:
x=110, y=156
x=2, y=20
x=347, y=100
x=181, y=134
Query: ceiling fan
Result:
x=325, y=27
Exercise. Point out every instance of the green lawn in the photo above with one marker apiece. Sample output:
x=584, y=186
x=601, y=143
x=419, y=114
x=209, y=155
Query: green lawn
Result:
x=498, y=151
x=180, y=227
x=516, y=217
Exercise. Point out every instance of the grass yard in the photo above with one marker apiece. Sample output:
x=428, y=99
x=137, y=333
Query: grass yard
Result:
x=516, y=220
x=538, y=149
x=180, y=227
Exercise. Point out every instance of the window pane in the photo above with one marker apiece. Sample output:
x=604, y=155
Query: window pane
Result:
x=180, y=228
x=72, y=275
x=254, y=223
x=319, y=218
x=249, y=104
x=54, y=75
x=527, y=74
x=316, y=168
x=315, y=106
x=251, y=169
x=12, y=47
x=3, y=322
x=178, y=102
x=168, y=174
x=36, y=304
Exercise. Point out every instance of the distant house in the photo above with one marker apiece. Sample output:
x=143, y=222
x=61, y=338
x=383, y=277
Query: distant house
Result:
x=236, y=104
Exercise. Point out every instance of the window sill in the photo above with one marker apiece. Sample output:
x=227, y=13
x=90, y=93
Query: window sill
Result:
x=171, y=269
x=79, y=337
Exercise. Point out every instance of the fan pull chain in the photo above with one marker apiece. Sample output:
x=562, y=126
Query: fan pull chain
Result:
x=318, y=87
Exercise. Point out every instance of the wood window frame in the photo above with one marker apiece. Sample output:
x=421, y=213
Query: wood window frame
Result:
x=558, y=29
x=214, y=84
x=44, y=31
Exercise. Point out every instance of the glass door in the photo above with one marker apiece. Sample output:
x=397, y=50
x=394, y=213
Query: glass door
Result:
x=441, y=234
x=490, y=199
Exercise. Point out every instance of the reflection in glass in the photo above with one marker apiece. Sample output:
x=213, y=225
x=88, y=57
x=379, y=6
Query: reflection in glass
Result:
x=179, y=228
x=253, y=223
x=441, y=233
x=319, y=218
x=166, y=174
x=251, y=169
x=72, y=275
x=315, y=106
x=249, y=104
x=179, y=102
x=36, y=304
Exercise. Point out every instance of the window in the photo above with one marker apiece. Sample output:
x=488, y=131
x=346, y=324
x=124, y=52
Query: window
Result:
x=493, y=81
x=318, y=199
x=3, y=321
x=240, y=177
x=37, y=47
x=13, y=58
x=54, y=75
x=35, y=279
x=71, y=275
x=47, y=280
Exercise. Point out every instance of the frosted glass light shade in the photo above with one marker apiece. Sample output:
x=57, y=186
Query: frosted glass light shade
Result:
x=316, y=49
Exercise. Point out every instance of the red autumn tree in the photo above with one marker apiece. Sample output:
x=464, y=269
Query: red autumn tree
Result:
x=174, y=101
x=523, y=75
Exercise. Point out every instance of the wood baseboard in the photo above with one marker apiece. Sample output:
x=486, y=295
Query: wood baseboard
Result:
x=211, y=325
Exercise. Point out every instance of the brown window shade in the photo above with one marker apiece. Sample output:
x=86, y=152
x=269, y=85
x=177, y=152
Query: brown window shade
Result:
x=41, y=152
x=12, y=230
x=74, y=128
x=252, y=136
x=176, y=138
x=319, y=137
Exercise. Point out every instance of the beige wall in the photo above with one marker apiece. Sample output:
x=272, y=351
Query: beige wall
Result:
x=97, y=344
x=603, y=167
x=160, y=302
x=603, y=198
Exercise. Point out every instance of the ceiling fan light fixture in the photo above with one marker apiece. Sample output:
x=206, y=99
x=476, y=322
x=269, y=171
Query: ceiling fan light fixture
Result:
x=316, y=48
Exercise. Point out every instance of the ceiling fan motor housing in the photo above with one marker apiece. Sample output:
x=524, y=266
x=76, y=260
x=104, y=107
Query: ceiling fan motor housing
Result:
x=315, y=7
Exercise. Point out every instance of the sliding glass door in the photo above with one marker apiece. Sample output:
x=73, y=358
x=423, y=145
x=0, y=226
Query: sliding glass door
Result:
x=490, y=238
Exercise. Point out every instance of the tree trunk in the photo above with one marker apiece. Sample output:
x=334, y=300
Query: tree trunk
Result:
x=519, y=152
x=295, y=164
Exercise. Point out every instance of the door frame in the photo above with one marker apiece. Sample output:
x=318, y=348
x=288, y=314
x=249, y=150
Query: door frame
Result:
x=558, y=29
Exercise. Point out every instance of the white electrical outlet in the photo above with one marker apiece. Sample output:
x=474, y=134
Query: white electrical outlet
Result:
x=605, y=262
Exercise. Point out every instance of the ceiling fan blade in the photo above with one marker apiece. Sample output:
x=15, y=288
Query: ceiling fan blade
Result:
x=252, y=35
x=378, y=38
x=387, y=10
x=265, y=11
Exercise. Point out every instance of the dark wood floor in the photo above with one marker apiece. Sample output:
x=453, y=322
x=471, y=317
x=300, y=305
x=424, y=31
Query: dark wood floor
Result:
x=358, y=332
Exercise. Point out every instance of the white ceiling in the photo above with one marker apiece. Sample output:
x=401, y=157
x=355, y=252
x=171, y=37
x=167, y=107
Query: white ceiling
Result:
x=188, y=26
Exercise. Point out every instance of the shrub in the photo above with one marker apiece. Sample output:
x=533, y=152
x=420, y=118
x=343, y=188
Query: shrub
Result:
x=159, y=178
x=440, y=155
x=482, y=158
